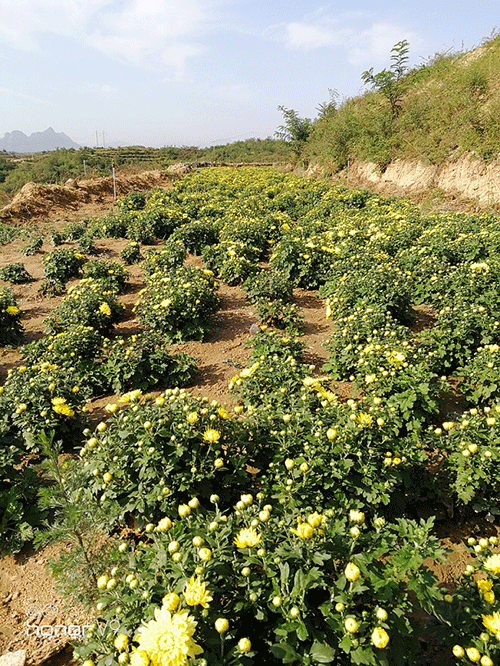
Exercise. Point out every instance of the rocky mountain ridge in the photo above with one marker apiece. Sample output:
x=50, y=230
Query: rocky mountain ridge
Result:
x=19, y=142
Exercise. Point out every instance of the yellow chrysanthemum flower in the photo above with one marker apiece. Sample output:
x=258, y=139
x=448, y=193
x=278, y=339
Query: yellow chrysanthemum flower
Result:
x=493, y=563
x=492, y=622
x=168, y=639
x=247, y=538
x=196, y=594
x=105, y=309
x=380, y=637
x=211, y=436
x=485, y=585
x=12, y=310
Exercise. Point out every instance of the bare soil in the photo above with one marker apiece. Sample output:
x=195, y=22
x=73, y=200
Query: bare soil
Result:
x=28, y=596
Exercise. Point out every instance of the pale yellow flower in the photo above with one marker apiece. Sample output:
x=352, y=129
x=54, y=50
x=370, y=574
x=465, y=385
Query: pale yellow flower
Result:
x=168, y=639
x=493, y=563
x=492, y=622
x=196, y=594
x=105, y=309
x=380, y=637
x=247, y=538
x=352, y=572
x=212, y=436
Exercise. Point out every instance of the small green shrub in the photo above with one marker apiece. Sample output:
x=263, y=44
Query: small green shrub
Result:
x=89, y=303
x=62, y=264
x=178, y=303
x=11, y=329
x=15, y=273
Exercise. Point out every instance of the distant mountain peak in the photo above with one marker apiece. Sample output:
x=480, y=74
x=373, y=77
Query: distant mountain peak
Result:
x=18, y=142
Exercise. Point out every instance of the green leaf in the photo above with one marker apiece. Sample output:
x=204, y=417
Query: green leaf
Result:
x=322, y=653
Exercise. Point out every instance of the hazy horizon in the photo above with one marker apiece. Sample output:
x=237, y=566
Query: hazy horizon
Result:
x=157, y=73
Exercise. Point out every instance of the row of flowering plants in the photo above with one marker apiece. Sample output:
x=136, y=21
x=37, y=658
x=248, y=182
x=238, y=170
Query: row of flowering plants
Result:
x=264, y=583
x=280, y=529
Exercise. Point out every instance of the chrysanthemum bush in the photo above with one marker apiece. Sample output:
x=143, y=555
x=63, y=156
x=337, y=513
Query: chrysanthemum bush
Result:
x=468, y=453
x=149, y=455
x=131, y=253
x=89, y=303
x=41, y=398
x=11, y=329
x=178, y=303
x=171, y=254
x=271, y=293
x=382, y=284
x=461, y=327
x=143, y=361
x=15, y=273
x=481, y=376
x=231, y=261
x=62, y=264
x=19, y=511
x=264, y=583
x=364, y=325
x=471, y=612
x=78, y=348
x=112, y=274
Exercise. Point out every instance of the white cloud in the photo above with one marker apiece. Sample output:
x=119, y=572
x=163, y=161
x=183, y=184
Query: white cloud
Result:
x=156, y=34
x=23, y=21
x=363, y=39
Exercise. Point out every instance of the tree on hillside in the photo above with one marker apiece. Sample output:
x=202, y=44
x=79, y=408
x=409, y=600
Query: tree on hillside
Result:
x=391, y=82
x=295, y=130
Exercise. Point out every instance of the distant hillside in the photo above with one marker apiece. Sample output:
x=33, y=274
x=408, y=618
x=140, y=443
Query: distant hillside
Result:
x=448, y=107
x=38, y=142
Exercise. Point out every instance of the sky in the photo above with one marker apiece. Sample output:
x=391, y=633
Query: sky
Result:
x=203, y=72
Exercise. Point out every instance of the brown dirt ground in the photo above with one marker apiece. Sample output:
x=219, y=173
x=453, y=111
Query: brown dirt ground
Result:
x=27, y=591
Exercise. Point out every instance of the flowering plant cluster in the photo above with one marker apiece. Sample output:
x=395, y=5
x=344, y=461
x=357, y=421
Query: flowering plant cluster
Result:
x=88, y=303
x=112, y=274
x=178, y=302
x=171, y=255
x=231, y=261
x=62, y=264
x=41, y=397
x=131, y=253
x=472, y=610
x=11, y=329
x=15, y=273
x=472, y=453
x=264, y=583
x=271, y=293
x=151, y=453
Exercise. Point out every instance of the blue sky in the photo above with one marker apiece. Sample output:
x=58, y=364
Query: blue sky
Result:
x=198, y=72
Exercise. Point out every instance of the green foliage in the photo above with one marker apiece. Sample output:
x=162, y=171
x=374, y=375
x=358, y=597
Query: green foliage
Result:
x=305, y=590
x=472, y=453
x=89, y=303
x=171, y=255
x=40, y=398
x=111, y=274
x=144, y=362
x=470, y=612
x=391, y=82
x=178, y=303
x=271, y=293
x=62, y=264
x=15, y=273
x=231, y=261
x=11, y=329
x=131, y=253
x=443, y=108
x=156, y=454
x=34, y=245
x=19, y=512
x=295, y=130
